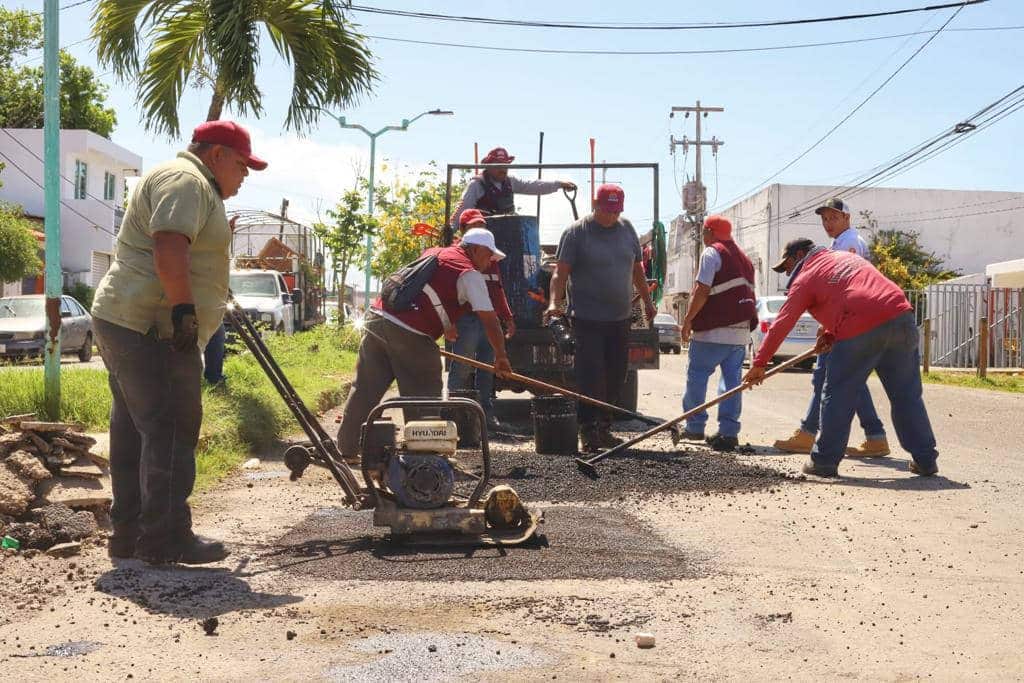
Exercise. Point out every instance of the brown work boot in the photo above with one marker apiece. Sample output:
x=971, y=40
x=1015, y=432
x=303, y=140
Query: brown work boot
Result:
x=605, y=438
x=871, y=448
x=590, y=441
x=800, y=442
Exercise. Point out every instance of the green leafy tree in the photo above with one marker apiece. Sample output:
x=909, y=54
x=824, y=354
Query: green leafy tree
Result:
x=400, y=205
x=898, y=254
x=83, y=96
x=19, y=250
x=216, y=44
x=343, y=237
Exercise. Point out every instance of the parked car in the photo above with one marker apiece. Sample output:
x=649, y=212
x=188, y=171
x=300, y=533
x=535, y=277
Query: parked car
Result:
x=23, y=327
x=668, y=333
x=264, y=296
x=803, y=335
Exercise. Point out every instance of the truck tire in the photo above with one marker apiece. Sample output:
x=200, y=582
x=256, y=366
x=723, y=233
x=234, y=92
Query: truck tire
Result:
x=630, y=391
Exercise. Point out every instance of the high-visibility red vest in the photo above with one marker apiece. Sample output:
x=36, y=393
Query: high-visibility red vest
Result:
x=732, y=299
x=437, y=306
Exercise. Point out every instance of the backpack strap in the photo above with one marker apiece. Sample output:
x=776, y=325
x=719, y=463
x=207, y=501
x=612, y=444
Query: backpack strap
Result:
x=435, y=301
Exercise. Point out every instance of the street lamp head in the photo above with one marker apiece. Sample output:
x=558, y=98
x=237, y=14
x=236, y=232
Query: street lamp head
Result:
x=440, y=112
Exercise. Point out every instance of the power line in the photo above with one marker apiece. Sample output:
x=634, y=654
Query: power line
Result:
x=63, y=203
x=860, y=106
x=651, y=26
x=713, y=51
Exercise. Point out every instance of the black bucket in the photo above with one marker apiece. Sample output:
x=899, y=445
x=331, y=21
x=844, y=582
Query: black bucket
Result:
x=465, y=421
x=554, y=425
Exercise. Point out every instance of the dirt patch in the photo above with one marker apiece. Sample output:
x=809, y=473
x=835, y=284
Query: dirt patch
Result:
x=585, y=614
x=556, y=478
x=573, y=543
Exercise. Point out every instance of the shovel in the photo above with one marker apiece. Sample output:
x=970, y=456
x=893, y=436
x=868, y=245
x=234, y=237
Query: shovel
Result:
x=587, y=465
x=537, y=384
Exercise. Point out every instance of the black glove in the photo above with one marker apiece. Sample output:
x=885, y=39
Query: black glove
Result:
x=186, y=328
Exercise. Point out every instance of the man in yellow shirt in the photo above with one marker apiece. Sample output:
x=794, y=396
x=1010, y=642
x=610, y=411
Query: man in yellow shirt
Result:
x=160, y=302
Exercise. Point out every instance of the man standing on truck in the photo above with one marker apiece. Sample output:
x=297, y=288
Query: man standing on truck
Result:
x=721, y=314
x=156, y=307
x=399, y=345
x=472, y=342
x=599, y=262
x=835, y=218
x=493, y=191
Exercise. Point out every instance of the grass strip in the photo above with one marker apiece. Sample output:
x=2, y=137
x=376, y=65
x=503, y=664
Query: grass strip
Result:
x=994, y=382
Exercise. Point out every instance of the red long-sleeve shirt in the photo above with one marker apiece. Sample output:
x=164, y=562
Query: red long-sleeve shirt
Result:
x=497, y=292
x=843, y=292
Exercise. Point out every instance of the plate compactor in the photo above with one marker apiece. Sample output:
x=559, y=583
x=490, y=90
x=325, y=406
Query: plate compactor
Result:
x=409, y=482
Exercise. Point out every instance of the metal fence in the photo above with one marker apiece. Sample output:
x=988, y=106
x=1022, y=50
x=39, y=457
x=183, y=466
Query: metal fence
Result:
x=970, y=325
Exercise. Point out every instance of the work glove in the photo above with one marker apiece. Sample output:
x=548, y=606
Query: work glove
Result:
x=185, y=335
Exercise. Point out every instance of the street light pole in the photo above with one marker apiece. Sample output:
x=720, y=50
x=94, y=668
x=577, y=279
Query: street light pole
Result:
x=373, y=158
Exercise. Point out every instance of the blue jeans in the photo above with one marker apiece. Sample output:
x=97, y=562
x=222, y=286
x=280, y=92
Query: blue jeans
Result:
x=213, y=356
x=866, y=412
x=473, y=343
x=890, y=350
x=704, y=358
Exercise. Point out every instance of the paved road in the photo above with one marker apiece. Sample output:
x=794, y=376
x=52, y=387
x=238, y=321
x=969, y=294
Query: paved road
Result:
x=69, y=362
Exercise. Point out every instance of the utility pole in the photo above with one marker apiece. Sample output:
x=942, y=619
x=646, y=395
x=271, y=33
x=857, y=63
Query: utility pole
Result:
x=695, y=195
x=51, y=192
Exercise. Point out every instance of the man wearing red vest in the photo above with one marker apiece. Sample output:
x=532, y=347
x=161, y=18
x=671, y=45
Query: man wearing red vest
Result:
x=868, y=324
x=472, y=342
x=721, y=314
x=400, y=345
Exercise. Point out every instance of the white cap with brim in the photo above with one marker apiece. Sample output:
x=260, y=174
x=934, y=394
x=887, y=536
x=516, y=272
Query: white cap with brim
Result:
x=483, y=237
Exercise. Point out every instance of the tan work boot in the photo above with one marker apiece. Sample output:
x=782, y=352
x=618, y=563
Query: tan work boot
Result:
x=800, y=442
x=871, y=448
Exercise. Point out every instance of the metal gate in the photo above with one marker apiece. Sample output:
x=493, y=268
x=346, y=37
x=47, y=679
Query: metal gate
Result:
x=955, y=312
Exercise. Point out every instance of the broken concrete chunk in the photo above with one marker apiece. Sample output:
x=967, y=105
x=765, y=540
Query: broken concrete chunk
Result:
x=83, y=440
x=80, y=468
x=15, y=492
x=50, y=427
x=27, y=465
x=41, y=446
x=64, y=549
x=15, y=419
x=76, y=492
x=98, y=459
x=30, y=535
x=9, y=443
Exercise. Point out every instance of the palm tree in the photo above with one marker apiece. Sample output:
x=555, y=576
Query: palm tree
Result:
x=217, y=43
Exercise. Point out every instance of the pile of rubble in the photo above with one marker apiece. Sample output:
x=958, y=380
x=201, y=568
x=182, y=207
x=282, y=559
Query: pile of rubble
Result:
x=53, y=487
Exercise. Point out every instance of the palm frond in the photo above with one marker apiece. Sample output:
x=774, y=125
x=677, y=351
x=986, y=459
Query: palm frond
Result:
x=234, y=44
x=178, y=47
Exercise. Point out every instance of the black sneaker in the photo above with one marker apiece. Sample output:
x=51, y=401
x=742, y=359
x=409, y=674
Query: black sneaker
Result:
x=196, y=550
x=723, y=443
x=121, y=546
x=495, y=425
x=810, y=467
x=924, y=471
x=691, y=436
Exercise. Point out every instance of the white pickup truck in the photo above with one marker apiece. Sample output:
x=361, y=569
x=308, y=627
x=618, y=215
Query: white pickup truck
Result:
x=265, y=297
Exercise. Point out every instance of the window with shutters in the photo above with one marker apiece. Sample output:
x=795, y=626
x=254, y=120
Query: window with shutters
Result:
x=109, y=179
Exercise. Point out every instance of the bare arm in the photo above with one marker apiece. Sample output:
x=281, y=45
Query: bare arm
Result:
x=172, y=259
x=559, y=280
x=640, y=283
x=701, y=292
x=495, y=335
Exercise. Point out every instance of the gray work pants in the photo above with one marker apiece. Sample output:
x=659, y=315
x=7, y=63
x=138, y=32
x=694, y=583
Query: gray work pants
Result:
x=154, y=428
x=387, y=353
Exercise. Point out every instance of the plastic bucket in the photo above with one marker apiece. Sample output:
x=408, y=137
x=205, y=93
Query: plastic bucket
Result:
x=465, y=421
x=555, y=425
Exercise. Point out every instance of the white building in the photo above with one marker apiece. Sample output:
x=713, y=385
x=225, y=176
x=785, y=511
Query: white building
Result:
x=93, y=171
x=968, y=229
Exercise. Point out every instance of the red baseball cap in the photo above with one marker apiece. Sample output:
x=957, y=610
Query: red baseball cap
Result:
x=470, y=216
x=610, y=198
x=229, y=134
x=719, y=226
x=498, y=155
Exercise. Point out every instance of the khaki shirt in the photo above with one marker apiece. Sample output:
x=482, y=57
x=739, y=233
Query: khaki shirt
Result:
x=177, y=196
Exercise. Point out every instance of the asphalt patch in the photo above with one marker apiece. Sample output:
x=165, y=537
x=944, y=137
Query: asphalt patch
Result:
x=556, y=478
x=573, y=543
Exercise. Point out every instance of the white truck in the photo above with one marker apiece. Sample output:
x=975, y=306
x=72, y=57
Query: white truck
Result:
x=265, y=297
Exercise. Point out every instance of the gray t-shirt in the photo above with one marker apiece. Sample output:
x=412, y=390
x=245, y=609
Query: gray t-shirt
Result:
x=601, y=281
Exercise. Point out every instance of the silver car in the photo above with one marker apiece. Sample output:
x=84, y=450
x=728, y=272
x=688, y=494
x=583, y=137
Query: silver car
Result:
x=23, y=327
x=803, y=335
x=668, y=333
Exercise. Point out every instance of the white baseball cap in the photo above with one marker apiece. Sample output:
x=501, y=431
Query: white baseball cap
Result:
x=483, y=237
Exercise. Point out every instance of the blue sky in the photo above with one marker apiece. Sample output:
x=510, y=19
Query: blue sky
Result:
x=776, y=103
